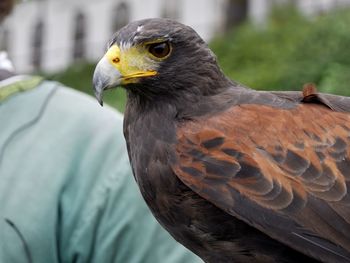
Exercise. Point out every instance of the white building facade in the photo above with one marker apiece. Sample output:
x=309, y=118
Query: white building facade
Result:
x=49, y=34
x=52, y=34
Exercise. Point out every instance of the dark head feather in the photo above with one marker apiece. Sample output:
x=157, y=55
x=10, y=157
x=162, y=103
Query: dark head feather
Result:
x=190, y=71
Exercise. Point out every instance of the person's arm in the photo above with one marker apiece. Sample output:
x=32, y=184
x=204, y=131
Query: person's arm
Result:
x=104, y=218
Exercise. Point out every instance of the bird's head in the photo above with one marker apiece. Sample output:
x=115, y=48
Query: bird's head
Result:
x=155, y=56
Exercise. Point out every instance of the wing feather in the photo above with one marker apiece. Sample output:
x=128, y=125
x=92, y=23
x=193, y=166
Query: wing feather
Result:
x=258, y=162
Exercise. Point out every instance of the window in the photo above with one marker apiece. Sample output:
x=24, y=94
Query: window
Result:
x=4, y=40
x=236, y=13
x=37, y=45
x=171, y=9
x=79, y=46
x=121, y=16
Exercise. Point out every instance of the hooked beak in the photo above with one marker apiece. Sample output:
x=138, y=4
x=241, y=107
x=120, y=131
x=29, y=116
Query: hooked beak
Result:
x=118, y=68
x=106, y=76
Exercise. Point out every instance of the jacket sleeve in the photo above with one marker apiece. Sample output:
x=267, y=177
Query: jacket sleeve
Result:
x=106, y=219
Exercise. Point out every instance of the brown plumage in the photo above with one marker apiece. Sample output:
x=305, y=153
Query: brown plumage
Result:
x=293, y=163
x=234, y=174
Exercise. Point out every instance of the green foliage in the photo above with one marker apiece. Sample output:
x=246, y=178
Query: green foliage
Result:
x=287, y=52
x=79, y=76
x=290, y=51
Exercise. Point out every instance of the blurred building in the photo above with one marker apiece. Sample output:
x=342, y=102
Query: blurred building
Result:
x=52, y=34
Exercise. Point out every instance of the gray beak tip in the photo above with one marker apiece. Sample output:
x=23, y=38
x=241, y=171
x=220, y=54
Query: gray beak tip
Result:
x=99, y=86
x=100, y=102
x=99, y=97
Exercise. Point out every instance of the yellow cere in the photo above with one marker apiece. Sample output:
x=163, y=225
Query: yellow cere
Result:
x=132, y=63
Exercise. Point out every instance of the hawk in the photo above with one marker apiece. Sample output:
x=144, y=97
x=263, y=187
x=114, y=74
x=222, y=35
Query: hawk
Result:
x=234, y=174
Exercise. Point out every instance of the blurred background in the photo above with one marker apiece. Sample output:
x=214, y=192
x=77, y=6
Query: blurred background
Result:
x=263, y=44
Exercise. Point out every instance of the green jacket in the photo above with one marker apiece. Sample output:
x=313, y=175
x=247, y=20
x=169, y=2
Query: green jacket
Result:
x=67, y=193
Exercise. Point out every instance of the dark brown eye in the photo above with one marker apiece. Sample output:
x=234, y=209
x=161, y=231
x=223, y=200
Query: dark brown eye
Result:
x=159, y=50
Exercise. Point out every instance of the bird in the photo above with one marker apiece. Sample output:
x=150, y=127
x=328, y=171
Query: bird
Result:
x=232, y=173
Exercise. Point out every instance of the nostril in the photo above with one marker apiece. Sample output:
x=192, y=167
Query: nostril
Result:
x=116, y=60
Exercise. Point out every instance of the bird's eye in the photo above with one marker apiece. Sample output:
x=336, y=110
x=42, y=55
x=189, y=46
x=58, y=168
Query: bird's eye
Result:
x=159, y=50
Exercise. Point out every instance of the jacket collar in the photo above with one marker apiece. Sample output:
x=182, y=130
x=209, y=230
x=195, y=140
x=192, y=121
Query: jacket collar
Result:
x=15, y=84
